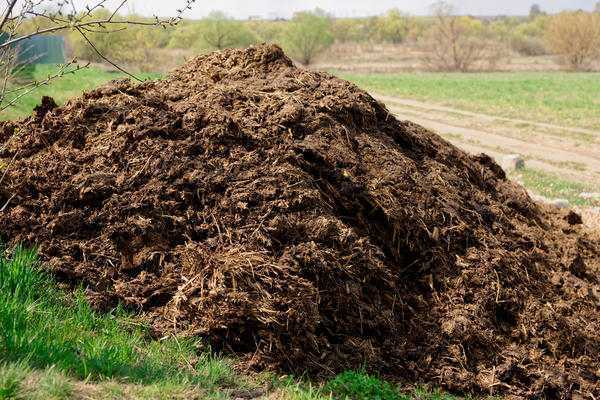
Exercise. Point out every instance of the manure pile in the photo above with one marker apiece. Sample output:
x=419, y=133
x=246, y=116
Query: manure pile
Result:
x=286, y=215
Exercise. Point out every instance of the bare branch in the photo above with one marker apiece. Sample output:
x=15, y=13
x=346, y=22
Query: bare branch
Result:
x=33, y=86
x=105, y=58
x=63, y=15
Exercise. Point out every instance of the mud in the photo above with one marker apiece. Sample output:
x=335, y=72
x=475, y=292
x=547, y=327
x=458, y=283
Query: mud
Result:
x=285, y=215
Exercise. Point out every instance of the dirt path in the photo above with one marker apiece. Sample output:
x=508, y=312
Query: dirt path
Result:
x=570, y=152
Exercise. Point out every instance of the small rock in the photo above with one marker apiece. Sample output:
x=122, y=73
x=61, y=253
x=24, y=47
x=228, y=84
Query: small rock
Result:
x=537, y=198
x=513, y=162
x=590, y=195
x=560, y=203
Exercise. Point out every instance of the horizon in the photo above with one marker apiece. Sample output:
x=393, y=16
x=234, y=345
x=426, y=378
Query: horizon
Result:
x=272, y=9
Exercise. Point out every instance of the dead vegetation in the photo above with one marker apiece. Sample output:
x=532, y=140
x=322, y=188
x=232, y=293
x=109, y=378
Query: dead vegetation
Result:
x=285, y=215
x=575, y=37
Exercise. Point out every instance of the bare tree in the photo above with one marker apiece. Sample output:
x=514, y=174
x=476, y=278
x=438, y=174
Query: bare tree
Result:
x=535, y=11
x=53, y=17
x=457, y=43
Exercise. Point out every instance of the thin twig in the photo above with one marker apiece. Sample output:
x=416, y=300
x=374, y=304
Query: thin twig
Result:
x=62, y=72
x=7, y=202
x=7, y=14
x=106, y=58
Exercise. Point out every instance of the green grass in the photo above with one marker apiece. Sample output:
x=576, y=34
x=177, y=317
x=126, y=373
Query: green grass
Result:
x=569, y=99
x=43, y=327
x=362, y=386
x=54, y=346
x=62, y=89
x=554, y=187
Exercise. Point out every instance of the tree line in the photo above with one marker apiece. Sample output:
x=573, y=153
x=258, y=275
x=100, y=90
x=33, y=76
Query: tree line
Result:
x=448, y=41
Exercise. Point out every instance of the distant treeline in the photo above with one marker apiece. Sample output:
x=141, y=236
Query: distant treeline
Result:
x=448, y=42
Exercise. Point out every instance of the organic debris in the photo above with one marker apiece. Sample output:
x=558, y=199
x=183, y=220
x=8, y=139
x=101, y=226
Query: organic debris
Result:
x=285, y=214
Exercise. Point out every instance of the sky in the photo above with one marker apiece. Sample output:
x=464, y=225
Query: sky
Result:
x=349, y=8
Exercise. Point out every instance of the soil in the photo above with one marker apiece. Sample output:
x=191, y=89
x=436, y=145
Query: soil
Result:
x=286, y=215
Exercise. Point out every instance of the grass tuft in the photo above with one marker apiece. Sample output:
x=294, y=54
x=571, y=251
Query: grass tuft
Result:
x=11, y=379
x=358, y=385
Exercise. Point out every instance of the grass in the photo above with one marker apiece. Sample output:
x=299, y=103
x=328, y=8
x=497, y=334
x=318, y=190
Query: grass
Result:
x=54, y=346
x=42, y=327
x=554, y=187
x=569, y=99
x=61, y=89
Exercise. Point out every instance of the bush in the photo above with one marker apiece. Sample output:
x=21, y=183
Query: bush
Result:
x=528, y=38
x=267, y=31
x=347, y=30
x=528, y=46
x=575, y=36
x=393, y=27
x=215, y=32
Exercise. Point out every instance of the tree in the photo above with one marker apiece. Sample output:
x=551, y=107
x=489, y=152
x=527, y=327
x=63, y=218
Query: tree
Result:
x=455, y=43
x=22, y=20
x=575, y=36
x=307, y=34
x=219, y=31
x=393, y=27
x=597, y=7
x=535, y=11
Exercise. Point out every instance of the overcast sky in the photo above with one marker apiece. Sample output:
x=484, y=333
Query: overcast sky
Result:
x=285, y=8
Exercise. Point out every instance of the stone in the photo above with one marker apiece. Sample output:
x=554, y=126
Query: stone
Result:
x=513, y=162
x=560, y=203
x=590, y=195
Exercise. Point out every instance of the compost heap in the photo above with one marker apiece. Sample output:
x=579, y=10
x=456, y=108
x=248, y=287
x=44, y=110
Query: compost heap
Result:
x=286, y=215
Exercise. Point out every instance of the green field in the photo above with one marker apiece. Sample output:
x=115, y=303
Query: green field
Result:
x=62, y=89
x=570, y=99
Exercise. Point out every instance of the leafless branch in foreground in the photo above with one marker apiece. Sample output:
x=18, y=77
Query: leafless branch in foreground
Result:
x=60, y=16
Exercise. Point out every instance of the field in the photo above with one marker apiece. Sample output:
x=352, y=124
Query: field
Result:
x=569, y=99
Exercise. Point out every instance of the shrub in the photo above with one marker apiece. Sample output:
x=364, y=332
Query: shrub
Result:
x=267, y=31
x=125, y=44
x=575, y=36
x=393, y=27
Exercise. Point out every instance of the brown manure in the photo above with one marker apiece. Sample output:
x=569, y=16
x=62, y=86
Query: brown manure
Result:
x=286, y=215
